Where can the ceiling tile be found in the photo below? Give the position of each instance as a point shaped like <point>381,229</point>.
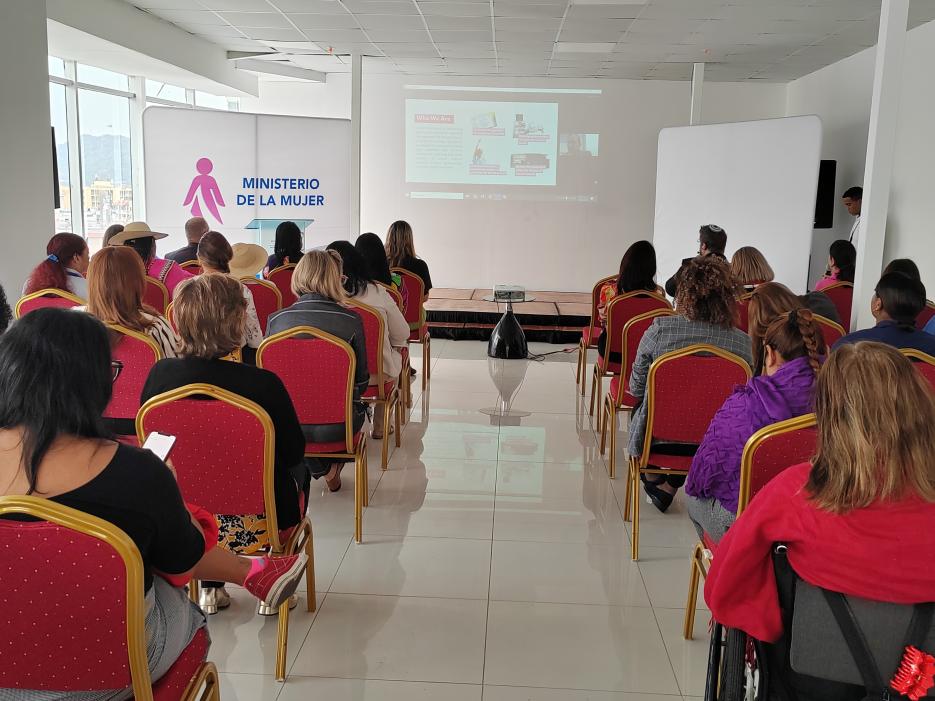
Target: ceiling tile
<point>608,11</point>
<point>320,21</point>
<point>229,5</point>
<point>381,7</point>
<point>531,10</point>
<point>455,9</point>
<point>322,7</point>
<point>272,34</point>
<point>406,36</point>
<point>528,25</point>
<point>256,19</point>
<point>458,36</point>
<point>457,23</point>
<point>188,16</point>
<point>334,36</point>
<point>604,30</point>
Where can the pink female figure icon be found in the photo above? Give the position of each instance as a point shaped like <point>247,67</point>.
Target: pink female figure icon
<point>206,186</point>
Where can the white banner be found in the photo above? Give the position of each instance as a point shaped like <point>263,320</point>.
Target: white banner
<point>233,168</point>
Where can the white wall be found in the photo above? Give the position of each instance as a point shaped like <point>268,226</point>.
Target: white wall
<point>840,94</point>
<point>303,98</point>
<point>25,142</point>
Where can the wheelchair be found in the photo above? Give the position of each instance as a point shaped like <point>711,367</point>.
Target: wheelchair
<point>833,648</point>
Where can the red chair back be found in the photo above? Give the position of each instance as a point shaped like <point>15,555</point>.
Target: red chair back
<point>632,335</point>
<point>318,371</point>
<point>192,267</point>
<point>374,337</point>
<point>72,597</point>
<point>266,298</point>
<point>48,297</point>
<point>698,376</point>
<point>138,353</point>
<point>926,314</point>
<point>590,334</point>
<point>282,278</point>
<point>620,310</point>
<point>842,295</point>
<point>414,311</point>
<point>830,330</point>
<point>743,311</point>
<point>156,295</point>
<point>223,453</point>
<point>771,450</point>
<point>923,362</point>
<point>396,295</point>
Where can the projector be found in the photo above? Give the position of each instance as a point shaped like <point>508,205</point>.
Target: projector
<point>509,293</point>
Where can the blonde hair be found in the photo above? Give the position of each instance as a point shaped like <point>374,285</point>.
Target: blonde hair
<point>399,243</point>
<point>116,283</point>
<point>319,272</point>
<point>876,430</point>
<point>749,267</point>
<point>209,314</point>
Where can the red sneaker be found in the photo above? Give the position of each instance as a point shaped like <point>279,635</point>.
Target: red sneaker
<point>276,578</point>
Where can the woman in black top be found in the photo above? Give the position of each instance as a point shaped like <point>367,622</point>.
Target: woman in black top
<point>55,381</point>
<point>209,312</point>
<point>370,247</point>
<point>287,247</point>
<point>401,253</point>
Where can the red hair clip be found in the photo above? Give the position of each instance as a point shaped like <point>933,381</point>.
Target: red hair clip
<point>916,674</point>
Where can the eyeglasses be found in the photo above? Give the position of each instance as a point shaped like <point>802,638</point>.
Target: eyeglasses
<point>116,367</point>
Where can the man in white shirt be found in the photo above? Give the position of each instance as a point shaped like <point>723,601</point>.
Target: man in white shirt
<point>851,199</point>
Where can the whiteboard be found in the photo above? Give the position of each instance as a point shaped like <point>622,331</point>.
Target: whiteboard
<point>758,180</point>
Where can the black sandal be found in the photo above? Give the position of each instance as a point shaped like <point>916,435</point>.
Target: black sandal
<point>660,498</point>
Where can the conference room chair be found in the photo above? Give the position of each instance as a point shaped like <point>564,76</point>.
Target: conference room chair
<point>743,311</point>
<point>405,377</point>
<point>842,295</point>
<point>831,331</point>
<point>768,452</point>
<point>73,598</point>
<point>282,278</point>
<point>590,335</point>
<point>384,395</point>
<point>927,313</point>
<point>923,362</point>
<point>49,297</point>
<point>224,461</point>
<point>191,266</point>
<point>618,397</point>
<point>684,389</point>
<point>414,312</point>
<point>318,371</point>
<point>619,311</point>
<point>132,357</point>
<point>156,295</point>
<point>266,298</point>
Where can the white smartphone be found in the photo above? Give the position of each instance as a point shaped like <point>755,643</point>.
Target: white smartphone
<point>160,444</point>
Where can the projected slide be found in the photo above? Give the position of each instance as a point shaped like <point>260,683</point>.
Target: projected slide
<point>482,143</point>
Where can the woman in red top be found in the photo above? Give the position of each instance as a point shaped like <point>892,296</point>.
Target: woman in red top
<point>859,519</point>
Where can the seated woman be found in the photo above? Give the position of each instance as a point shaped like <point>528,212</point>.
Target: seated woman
<point>317,283</point>
<point>55,367</point>
<point>749,268</point>
<point>116,282</point>
<point>767,303</point>
<point>842,259</point>
<point>706,306</point>
<point>138,236</point>
<point>401,253</point>
<point>209,314</point>
<point>287,247</point>
<point>64,267</point>
<point>360,286</point>
<point>214,256</point>
<point>637,274</point>
<point>858,518</point>
<point>793,348</point>
<point>371,248</point>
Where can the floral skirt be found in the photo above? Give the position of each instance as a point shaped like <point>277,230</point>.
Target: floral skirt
<point>244,534</point>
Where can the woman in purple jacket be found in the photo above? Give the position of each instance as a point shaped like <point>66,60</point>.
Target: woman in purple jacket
<point>792,349</point>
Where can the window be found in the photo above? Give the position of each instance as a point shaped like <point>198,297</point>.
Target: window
<point>102,78</point>
<point>56,67</point>
<point>60,124</point>
<point>165,91</point>
<point>107,184</point>
<point>215,102</point>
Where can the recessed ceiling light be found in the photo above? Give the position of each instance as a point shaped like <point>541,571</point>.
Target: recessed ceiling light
<point>584,47</point>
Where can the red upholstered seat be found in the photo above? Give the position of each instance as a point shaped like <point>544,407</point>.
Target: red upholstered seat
<point>830,331</point>
<point>333,446</point>
<point>371,392</point>
<point>628,400</point>
<point>173,683</point>
<point>266,298</point>
<point>927,313</point>
<point>138,353</point>
<point>417,335</point>
<point>708,541</point>
<point>842,295</point>
<point>282,278</point>
<point>669,462</point>
<point>590,335</point>
<point>50,297</point>
<point>156,295</point>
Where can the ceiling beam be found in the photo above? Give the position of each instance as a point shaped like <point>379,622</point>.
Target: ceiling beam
<point>279,68</point>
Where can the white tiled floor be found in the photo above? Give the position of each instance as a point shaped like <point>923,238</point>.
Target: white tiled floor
<point>495,564</point>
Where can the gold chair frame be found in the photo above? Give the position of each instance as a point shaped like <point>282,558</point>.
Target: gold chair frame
<point>47,292</point>
<point>206,678</point>
<point>426,340</point>
<point>592,325</point>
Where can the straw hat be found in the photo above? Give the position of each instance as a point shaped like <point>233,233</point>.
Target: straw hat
<point>248,260</point>
<point>135,230</point>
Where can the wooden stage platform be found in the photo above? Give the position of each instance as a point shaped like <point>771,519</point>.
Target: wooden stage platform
<point>462,314</point>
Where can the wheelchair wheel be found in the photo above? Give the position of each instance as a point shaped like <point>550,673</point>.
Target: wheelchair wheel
<point>733,671</point>
<point>733,680</point>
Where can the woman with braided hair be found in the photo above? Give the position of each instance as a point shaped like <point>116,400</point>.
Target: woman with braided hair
<point>793,349</point>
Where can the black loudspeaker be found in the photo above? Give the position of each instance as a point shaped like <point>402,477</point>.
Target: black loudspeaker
<point>56,193</point>
<point>825,199</point>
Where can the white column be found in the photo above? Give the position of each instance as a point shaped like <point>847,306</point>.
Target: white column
<point>137,105</point>
<point>697,84</point>
<point>356,82</point>
<point>74,149</point>
<point>878,172</point>
<point>25,142</point>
